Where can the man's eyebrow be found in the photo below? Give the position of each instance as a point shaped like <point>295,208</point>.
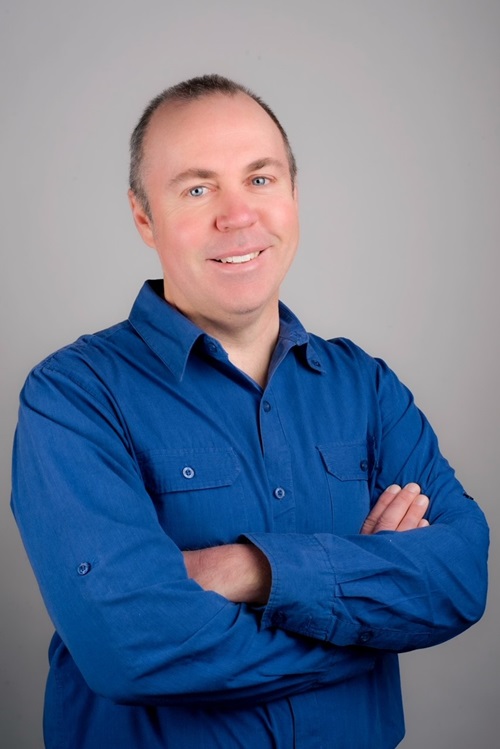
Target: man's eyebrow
<point>268,161</point>
<point>191,174</point>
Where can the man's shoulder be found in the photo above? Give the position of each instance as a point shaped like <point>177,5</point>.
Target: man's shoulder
<point>348,362</point>
<point>86,355</point>
<point>342,350</point>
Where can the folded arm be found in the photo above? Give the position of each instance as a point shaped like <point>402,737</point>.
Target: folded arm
<point>242,573</point>
<point>387,589</point>
<point>405,581</point>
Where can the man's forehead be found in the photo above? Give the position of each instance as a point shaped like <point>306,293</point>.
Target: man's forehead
<point>173,115</point>
<point>218,133</point>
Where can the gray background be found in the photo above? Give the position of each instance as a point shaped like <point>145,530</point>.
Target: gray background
<point>393,109</point>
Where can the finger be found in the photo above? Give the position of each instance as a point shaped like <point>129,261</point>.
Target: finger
<point>379,508</point>
<point>423,523</point>
<point>394,513</point>
<point>415,514</point>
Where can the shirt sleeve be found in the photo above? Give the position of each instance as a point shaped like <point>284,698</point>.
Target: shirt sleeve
<point>115,585</point>
<point>393,590</point>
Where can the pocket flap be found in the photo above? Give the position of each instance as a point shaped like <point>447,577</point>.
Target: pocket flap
<point>347,462</point>
<point>189,469</point>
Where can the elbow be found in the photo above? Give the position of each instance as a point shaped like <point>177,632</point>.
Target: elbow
<point>466,592</point>
<point>462,602</point>
<point>475,605</point>
<point>455,619</point>
<point>148,679</point>
<point>133,684</point>
<point>122,679</point>
<point>114,682</point>
<point>475,577</point>
<point>102,670</point>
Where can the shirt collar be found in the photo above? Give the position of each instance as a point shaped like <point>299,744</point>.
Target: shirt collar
<point>172,336</point>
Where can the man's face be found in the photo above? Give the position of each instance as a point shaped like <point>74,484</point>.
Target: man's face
<point>224,217</point>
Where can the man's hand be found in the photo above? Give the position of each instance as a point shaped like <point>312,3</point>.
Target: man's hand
<point>397,509</point>
<point>239,572</point>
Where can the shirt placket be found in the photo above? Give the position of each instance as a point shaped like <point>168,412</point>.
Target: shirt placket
<point>278,464</point>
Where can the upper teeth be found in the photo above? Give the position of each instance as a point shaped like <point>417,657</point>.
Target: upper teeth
<point>240,258</point>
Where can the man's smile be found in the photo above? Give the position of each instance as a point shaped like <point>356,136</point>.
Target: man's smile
<point>239,258</point>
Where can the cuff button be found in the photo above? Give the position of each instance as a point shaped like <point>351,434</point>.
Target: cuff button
<point>365,636</point>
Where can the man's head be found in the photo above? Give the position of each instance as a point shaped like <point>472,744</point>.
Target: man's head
<point>184,92</point>
<point>215,196</point>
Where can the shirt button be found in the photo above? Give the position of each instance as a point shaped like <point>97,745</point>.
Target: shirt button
<point>316,363</point>
<point>364,465</point>
<point>83,568</point>
<point>266,406</point>
<point>212,347</point>
<point>365,636</point>
<point>279,492</point>
<point>188,472</point>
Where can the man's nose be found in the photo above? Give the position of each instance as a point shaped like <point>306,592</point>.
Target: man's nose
<point>235,212</point>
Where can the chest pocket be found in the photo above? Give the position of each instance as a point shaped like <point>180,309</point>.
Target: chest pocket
<point>348,467</point>
<point>196,493</point>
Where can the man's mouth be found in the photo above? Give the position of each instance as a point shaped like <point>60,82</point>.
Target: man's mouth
<point>239,258</point>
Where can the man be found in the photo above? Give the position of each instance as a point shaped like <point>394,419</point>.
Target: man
<point>235,525</point>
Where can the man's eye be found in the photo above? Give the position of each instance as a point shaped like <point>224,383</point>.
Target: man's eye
<point>259,181</point>
<point>197,191</point>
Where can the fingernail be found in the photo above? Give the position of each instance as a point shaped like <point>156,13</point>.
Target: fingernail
<point>413,488</point>
<point>422,500</point>
<point>393,489</point>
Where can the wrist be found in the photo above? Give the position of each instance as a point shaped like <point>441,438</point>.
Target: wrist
<point>239,572</point>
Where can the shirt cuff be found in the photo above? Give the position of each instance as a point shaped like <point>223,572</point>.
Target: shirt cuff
<point>303,584</point>
<point>307,597</point>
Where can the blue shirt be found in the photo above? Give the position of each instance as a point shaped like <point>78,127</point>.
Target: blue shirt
<point>144,439</point>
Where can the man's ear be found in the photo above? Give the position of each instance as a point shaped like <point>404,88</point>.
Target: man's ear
<point>141,219</point>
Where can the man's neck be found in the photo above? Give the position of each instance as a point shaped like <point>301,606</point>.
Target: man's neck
<point>249,343</point>
<point>253,356</point>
